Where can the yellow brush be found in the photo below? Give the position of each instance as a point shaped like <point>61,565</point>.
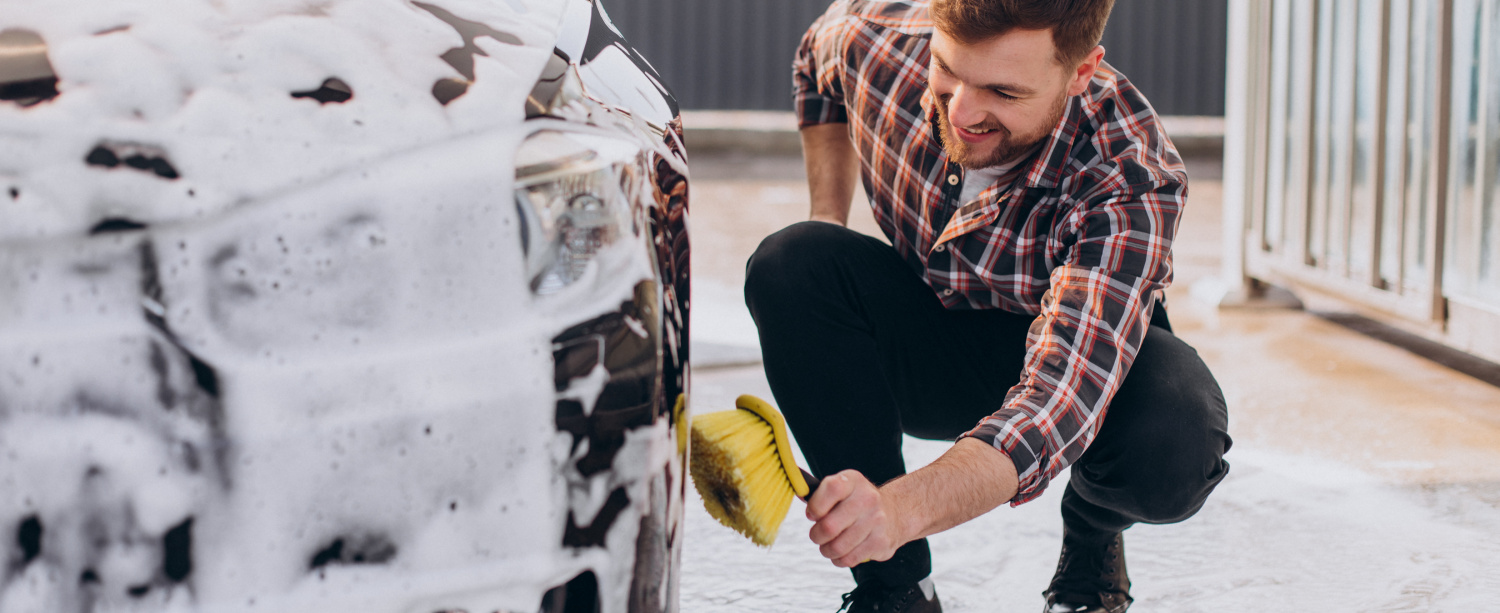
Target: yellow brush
<point>743,468</point>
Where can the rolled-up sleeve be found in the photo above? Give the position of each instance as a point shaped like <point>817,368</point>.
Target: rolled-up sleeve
<point>1094,318</point>
<point>817,85</point>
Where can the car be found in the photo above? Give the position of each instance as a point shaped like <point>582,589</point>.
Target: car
<point>338,305</point>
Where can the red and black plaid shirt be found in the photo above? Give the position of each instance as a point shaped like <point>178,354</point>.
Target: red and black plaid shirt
<point>1082,239</point>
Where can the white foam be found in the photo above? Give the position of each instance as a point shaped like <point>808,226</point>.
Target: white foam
<point>350,272</point>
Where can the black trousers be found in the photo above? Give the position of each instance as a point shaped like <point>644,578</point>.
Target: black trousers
<point>858,350</point>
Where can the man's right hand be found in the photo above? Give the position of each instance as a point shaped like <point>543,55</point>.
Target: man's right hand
<point>832,168</point>
<point>855,523</point>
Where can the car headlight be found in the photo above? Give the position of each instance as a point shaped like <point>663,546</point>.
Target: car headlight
<point>572,203</point>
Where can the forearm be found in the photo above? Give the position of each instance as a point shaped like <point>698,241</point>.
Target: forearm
<point>832,168</point>
<point>971,479</point>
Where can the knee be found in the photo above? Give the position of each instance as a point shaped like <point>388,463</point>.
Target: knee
<point>784,263</point>
<point>1160,471</point>
<point>1176,479</point>
<point>1172,501</point>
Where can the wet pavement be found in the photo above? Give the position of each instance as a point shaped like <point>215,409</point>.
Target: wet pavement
<point>1365,477</point>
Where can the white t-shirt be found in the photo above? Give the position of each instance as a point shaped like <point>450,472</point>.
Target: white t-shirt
<point>980,179</point>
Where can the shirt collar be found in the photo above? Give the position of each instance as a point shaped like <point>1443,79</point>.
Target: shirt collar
<point>1047,169</point>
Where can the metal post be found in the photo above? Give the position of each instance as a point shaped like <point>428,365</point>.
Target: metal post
<point>1439,185</point>
<point>1239,88</point>
<point>1245,141</point>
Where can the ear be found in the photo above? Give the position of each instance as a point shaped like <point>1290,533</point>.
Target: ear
<point>1079,81</point>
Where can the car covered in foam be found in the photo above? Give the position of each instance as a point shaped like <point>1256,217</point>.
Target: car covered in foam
<point>338,305</point>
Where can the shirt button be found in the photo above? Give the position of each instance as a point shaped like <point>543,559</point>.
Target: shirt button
<point>952,179</point>
<point>947,292</point>
<point>941,248</point>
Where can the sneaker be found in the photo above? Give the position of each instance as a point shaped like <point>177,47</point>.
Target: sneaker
<point>1090,576</point>
<point>876,597</point>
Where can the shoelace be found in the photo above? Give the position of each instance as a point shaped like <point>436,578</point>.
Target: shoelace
<point>862,591</point>
<point>1087,571</point>
<point>871,590</point>
<point>850,596</point>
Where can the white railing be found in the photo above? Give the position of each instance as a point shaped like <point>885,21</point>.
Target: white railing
<point>1362,157</point>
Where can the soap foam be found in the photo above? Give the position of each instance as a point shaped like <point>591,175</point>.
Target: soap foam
<point>319,359</point>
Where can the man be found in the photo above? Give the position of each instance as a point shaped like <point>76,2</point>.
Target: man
<point>1030,198</point>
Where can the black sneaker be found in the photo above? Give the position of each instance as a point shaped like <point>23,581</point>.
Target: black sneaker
<point>876,597</point>
<point>1090,576</point>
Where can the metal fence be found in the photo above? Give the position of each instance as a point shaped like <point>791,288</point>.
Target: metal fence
<point>1363,156</point>
<point>737,54</point>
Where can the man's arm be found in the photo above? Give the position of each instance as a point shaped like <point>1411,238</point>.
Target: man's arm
<point>857,521</point>
<point>832,167</point>
<point>1095,315</point>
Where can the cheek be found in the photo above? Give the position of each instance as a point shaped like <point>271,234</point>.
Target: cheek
<point>1022,120</point>
<point>1011,118</point>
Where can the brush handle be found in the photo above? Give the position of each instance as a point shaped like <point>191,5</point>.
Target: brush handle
<point>812,482</point>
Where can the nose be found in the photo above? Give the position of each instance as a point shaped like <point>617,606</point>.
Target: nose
<point>963,108</point>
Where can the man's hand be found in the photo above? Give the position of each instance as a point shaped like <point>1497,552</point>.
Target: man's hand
<point>857,522</point>
<point>854,523</point>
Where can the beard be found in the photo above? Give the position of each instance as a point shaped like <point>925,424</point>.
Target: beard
<point>1011,145</point>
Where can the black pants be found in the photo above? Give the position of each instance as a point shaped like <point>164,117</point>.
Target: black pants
<point>858,350</point>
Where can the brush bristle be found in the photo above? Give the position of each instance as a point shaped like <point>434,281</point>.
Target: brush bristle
<point>738,473</point>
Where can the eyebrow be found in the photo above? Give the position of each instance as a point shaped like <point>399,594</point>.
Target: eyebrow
<point>1010,88</point>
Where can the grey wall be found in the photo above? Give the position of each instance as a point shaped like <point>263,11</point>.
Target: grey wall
<point>736,54</point>
<point>720,54</point>
<point>1173,51</point>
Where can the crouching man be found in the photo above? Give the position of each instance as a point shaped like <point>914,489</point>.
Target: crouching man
<point>1030,198</point>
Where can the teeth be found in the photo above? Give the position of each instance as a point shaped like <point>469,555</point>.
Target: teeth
<point>973,131</point>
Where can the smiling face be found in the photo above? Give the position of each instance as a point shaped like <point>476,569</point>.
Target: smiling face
<point>999,97</point>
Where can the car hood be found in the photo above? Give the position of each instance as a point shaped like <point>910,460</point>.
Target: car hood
<point>172,110</point>
<point>291,223</point>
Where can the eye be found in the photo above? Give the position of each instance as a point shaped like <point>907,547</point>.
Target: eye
<point>1004,96</point>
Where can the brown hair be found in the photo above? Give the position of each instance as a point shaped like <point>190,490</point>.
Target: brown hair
<point>1076,25</point>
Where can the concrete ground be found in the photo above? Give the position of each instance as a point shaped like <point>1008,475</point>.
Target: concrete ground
<point>1365,477</point>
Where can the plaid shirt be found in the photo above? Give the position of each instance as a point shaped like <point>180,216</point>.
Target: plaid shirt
<point>1082,239</point>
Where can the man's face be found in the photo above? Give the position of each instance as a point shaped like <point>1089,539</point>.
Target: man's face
<point>998,98</point>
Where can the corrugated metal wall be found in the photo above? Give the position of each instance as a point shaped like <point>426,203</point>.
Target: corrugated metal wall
<point>720,54</point>
<point>736,54</point>
<point>1173,50</point>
